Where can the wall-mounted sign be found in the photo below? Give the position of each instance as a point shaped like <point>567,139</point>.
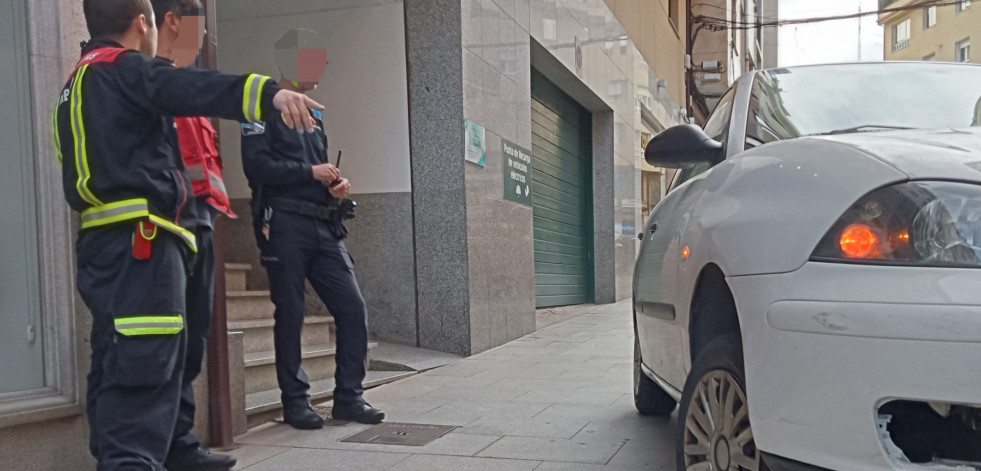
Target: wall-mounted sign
<point>517,172</point>
<point>476,148</point>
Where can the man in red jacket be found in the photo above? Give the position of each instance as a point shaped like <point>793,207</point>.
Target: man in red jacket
<point>180,33</point>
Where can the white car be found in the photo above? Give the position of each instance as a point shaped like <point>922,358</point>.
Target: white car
<point>809,291</point>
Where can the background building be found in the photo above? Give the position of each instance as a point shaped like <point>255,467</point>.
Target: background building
<point>932,33</point>
<point>728,40</point>
<point>450,257</point>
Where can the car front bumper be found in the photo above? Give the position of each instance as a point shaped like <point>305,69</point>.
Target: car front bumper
<point>827,345</point>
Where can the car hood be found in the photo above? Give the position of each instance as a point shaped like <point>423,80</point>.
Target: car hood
<point>943,154</point>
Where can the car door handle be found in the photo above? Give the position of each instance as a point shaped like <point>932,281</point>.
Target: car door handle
<point>653,228</point>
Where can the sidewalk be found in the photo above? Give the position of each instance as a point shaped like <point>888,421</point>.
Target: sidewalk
<point>558,399</point>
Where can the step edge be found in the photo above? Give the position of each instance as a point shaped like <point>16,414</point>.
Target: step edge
<point>262,323</point>
<point>316,351</point>
<point>248,294</point>
<point>261,408</point>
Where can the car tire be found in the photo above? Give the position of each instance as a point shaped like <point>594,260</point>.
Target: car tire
<point>713,423</point>
<point>649,398</point>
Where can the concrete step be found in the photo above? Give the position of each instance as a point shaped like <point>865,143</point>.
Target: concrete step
<point>319,362</point>
<point>248,305</point>
<point>259,333</point>
<point>235,274</point>
<point>260,368</point>
<point>263,406</point>
<point>395,357</point>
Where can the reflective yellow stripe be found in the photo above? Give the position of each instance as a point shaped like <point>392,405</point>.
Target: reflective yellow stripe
<point>179,231</point>
<point>132,210</point>
<point>258,98</point>
<point>149,325</point>
<point>78,132</point>
<point>252,97</point>
<point>246,108</point>
<point>54,132</point>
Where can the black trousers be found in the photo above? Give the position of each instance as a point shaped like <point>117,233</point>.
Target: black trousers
<point>134,384</point>
<point>200,300</point>
<point>302,248</point>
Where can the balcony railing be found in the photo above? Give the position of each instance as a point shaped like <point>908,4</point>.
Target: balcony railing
<point>900,45</point>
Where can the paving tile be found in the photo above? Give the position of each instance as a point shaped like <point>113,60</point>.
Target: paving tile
<point>456,463</point>
<point>452,444</point>
<point>492,408</point>
<point>287,436</point>
<point>570,397</point>
<point>249,455</point>
<point>562,466</point>
<point>562,427</point>
<point>551,449</point>
<point>628,425</point>
<point>540,384</point>
<point>460,393</point>
<point>319,460</point>
<point>646,454</point>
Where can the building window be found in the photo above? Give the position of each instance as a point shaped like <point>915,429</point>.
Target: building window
<point>963,51</point>
<point>930,57</point>
<point>900,35</point>
<point>673,11</point>
<point>929,17</point>
<point>962,5</point>
<point>37,310</point>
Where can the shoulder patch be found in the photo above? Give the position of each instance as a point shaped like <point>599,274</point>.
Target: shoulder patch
<point>253,129</point>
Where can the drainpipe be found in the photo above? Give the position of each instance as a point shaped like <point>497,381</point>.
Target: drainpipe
<point>220,432</point>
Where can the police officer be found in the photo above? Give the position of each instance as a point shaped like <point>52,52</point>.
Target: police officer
<point>122,172</point>
<point>294,189</point>
<point>180,33</point>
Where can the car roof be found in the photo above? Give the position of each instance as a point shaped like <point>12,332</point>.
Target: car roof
<point>853,64</point>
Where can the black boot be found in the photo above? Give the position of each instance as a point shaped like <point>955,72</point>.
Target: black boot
<point>302,417</point>
<point>360,412</point>
<point>197,459</point>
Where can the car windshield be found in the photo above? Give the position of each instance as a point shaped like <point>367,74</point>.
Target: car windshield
<point>835,99</point>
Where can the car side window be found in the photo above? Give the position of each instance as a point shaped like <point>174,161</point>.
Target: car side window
<point>717,124</point>
<point>717,127</point>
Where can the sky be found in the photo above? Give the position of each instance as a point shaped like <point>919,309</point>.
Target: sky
<point>831,41</point>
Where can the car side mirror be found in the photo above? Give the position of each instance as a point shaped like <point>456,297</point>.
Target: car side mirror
<point>682,146</point>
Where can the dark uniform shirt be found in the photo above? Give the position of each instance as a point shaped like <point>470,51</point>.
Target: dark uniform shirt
<point>115,134</point>
<point>280,160</point>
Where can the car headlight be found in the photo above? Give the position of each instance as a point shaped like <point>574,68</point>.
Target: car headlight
<point>917,223</point>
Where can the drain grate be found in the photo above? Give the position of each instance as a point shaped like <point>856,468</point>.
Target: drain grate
<point>393,433</point>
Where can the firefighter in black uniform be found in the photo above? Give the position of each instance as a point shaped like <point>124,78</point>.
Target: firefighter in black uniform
<point>299,230</point>
<point>123,173</point>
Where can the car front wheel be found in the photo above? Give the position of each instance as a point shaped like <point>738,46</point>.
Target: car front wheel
<point>714,419</point>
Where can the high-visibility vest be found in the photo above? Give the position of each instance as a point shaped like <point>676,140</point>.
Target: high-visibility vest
<point>199,147</point>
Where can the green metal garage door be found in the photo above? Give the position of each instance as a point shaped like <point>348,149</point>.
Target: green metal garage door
<point>562,196</point>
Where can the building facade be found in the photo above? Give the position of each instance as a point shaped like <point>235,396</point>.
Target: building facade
<point>496,153</point>
<point>931,33</point>
<point>728,39</point>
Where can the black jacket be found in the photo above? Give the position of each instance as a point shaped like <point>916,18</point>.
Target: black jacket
<point>120,111</point>
<point>280,160</point>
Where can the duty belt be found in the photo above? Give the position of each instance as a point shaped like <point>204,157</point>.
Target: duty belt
<point>137,209</point>
<point>303,208</point>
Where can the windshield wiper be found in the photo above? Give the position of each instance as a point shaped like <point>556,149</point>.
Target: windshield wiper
<point>862,128</point>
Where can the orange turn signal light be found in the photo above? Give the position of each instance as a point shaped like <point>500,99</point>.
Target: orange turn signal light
<point>858,241</point>
<point>685,253</point>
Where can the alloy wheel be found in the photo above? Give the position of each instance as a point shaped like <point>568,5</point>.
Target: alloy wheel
<point>718,435</point>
